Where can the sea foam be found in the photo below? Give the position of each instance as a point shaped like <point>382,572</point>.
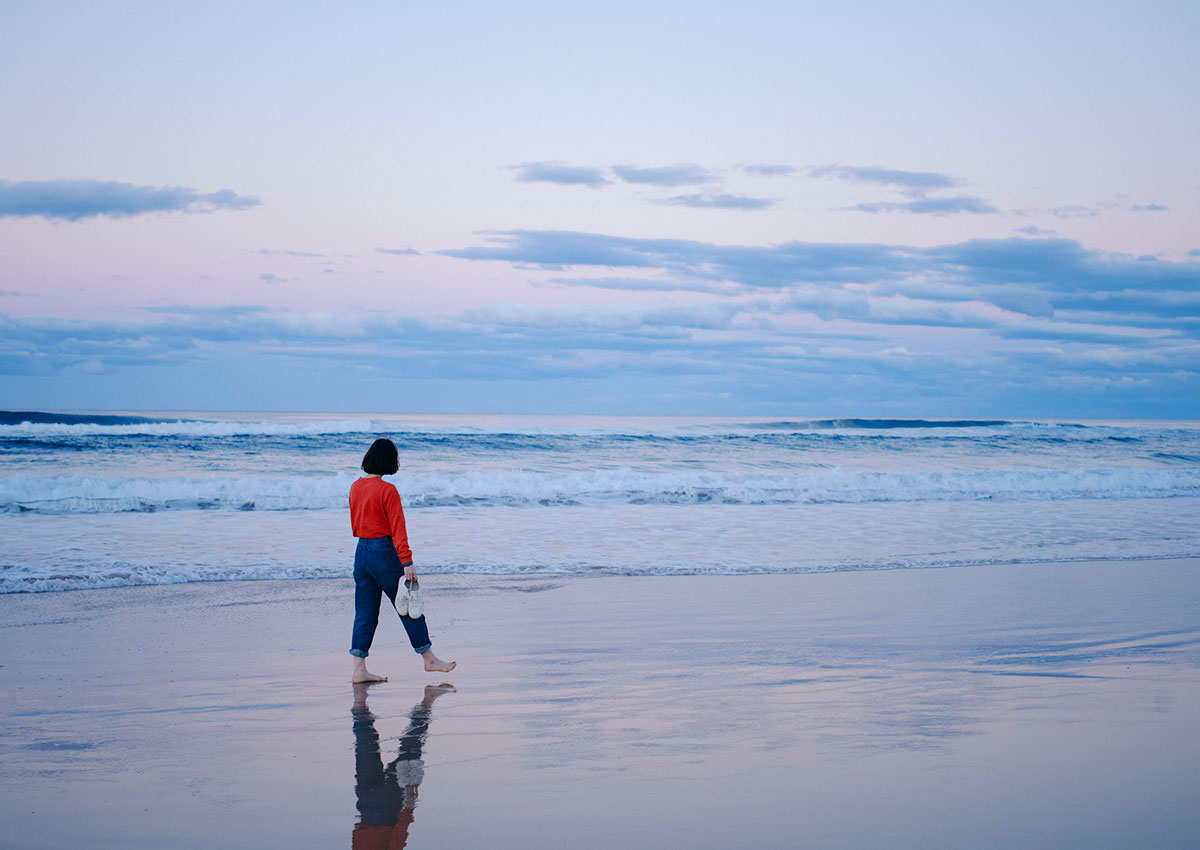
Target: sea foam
<point>111,494</point>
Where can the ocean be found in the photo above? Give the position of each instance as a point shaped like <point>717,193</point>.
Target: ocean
<point>114,499</point>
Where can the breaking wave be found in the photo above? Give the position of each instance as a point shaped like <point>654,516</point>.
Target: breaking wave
<point>66,494</point>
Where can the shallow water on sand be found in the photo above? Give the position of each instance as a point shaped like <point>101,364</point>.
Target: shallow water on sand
<point>1033,706</point>
<point>114,550</point>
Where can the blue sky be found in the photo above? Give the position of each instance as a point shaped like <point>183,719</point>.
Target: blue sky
<point>923,209</point>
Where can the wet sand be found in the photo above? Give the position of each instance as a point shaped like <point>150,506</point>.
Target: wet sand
<point>1023,706</point>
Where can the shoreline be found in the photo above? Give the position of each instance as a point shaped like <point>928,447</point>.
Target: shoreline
<point>990,706</point>
<point>602,572</point>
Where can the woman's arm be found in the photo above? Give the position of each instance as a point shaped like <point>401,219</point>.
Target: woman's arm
<point>395,514</point>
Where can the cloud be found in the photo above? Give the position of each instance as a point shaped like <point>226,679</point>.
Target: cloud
<point>861,306</point>
<point>639,284</point>
<point>267,252</point>
<point>1059,265</point>
<point>500,341</point>
<point>1012,288</point>
<point>1060,332</point>
<point>720,201</point>
<point>767,267</point>
<point>166,336</point>
<point>1164,309</point>
<point>931,206</point>
<point>667,175</point>
<point>915,184</point>
<point>1069,211</point>
<point>1064,211</point>
<point>914,181</point>
<point>750,348</point>
<point>557,248</point>
<point>224,310</point>
<point>1036,231</point>
<point>73,200</point>
<point>1053,264</point>
<point>557,171</point>
<point>769,169</point>
<point>710,315</point>
<point>403,252</point>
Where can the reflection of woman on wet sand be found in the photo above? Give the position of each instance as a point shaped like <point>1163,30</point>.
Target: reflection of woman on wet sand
<point>388,795</point>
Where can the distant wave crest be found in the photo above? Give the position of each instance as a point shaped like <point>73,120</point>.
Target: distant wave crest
<point>107,420</point>
<point>133,426</point>
<point>881,424</point>
<point>34,425</point>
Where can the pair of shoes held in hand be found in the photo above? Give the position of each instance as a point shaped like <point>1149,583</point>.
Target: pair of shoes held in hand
<point>411,603</point>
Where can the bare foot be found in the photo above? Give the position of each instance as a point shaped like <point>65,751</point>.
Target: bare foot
<point>433,664</point>
<point>362,674</point>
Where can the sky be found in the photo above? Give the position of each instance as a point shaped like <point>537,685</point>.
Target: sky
<point>706,208</point>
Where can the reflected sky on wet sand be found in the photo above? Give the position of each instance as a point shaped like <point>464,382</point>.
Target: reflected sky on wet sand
<point>1031,706</point>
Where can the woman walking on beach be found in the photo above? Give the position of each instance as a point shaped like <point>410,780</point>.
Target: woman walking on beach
<point>382,557</point>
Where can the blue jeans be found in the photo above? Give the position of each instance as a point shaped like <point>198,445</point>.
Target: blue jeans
<point>377,570</point>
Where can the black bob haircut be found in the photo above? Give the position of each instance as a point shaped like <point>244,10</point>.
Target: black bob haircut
<point>381,458</point>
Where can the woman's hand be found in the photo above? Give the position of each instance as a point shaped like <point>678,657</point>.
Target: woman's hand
<point>409,573</point>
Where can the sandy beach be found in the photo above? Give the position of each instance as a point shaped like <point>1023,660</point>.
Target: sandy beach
<point>1024,706</point>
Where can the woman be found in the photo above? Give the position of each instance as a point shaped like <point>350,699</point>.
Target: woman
<point>382,556</point>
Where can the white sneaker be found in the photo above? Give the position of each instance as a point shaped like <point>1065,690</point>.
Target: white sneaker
<point>415,600</point>
<point>401,603</point>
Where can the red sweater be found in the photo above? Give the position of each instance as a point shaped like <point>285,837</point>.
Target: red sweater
<point>375,511</point>
<point>367,837</point>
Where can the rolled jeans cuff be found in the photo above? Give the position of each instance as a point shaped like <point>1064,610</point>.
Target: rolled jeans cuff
<point>359,653</point>
<point>425,648</point>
